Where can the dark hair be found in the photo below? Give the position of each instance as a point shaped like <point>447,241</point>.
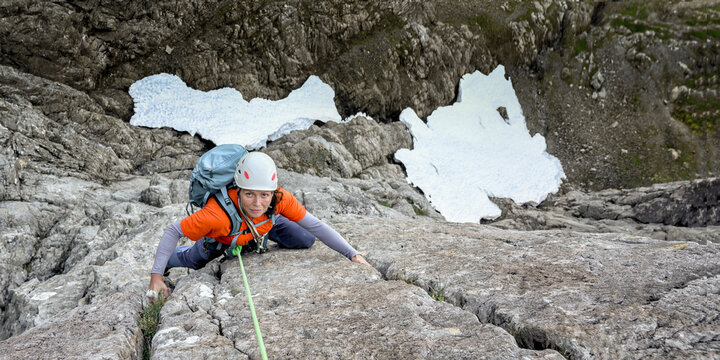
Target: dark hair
<point>277,197</point>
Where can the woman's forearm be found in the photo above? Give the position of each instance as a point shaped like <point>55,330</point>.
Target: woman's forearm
<point>327,235</point>
<point>166,247</point>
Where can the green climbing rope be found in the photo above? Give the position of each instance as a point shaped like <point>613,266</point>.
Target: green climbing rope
<point>236,251</point>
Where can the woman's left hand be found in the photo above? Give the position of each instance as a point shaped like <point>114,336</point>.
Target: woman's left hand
<point>360,260</point>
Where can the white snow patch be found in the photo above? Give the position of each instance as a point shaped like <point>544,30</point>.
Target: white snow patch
<point>347,119</point>
<point>468,151</point>
<point>223,116</point>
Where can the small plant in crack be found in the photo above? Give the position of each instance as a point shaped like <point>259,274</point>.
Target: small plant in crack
<point>437,292</point>
<point>149,322</point>
<point>235,291</point>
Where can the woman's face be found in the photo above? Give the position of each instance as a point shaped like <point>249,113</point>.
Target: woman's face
<point>255,202</point>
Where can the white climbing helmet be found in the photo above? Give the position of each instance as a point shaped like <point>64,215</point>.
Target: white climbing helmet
<point>256,171</point>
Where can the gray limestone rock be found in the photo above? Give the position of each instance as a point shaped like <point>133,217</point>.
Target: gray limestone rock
<point>702,235</point>
<point>381,57</point>
<point>50,128</point>
<point>107,329</point>
<point>85,197</point>
<point>339,150</point>
<point>684,210</point>
<point>71,243</point>
<point>565,291</point>
<point>331,197</point>
<point>586,295</point>
<point>336,309</point>
<point>163,192</point>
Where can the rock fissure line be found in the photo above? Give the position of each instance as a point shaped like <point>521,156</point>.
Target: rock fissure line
<point>526,338</point>
<point>218,273</point>
<point>240,351</point>
<point>710,273</point>
<point>219,325</point>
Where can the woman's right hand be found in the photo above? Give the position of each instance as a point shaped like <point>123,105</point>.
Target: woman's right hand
<point>360,260</point>
<point>157,284</point>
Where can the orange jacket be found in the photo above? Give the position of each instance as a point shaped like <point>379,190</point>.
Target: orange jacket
<point>211,220</point>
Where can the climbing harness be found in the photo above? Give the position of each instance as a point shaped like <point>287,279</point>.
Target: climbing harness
<point>236,251</point>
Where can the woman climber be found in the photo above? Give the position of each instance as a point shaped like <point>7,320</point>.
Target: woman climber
<point>272,210</point>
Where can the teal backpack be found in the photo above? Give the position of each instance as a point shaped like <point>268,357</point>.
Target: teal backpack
<point>212,176</point>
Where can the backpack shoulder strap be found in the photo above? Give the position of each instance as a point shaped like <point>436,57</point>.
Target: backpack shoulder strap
<point>223,199</point>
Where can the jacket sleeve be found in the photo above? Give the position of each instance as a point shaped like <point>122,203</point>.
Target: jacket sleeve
<point>327,235</point>
<point>167,245</point>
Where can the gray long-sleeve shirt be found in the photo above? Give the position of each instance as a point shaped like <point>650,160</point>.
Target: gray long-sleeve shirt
<point>322,231</point>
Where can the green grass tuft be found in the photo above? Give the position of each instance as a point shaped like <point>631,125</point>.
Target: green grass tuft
<point>699,34</point>
<point>636,10</point>
<point>497,33</point>
<point>660,30</point>
<point>689,112</point>
<point>407,281</point>
<point>419,211</point>
<point>580,46</point>
<point>149,323</point>
<point>636,28</point>
<point>437,293</point>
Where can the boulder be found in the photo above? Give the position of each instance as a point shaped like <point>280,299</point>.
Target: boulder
<point>340,150</point>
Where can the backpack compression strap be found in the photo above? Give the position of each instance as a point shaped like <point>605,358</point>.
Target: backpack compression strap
<point>204,201</point>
